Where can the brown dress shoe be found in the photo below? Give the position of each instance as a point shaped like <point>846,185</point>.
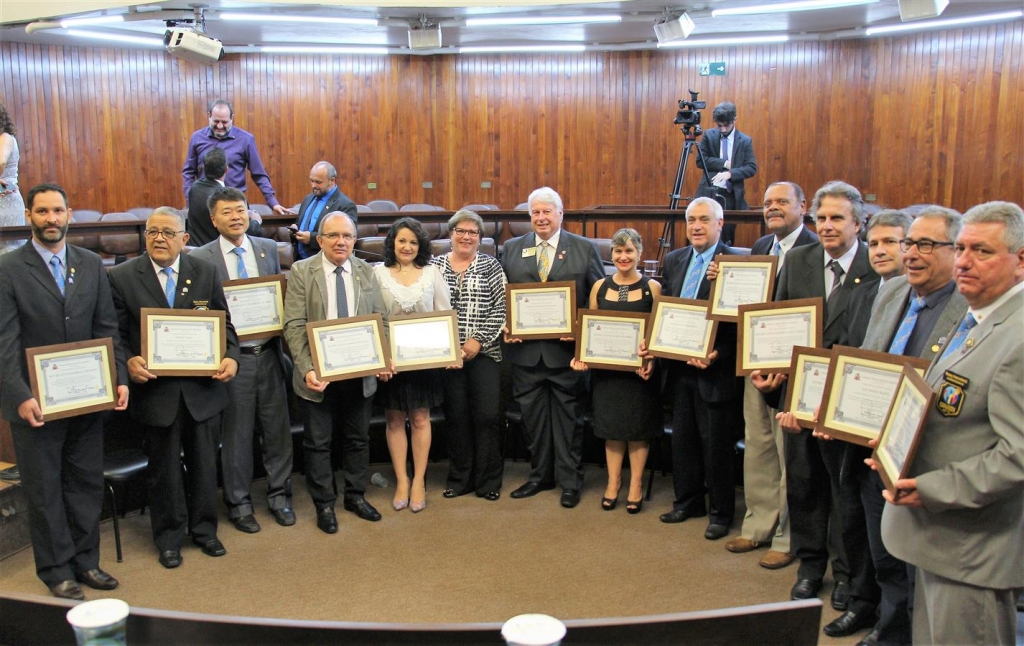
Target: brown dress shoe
<point>67,590</point>
<point>740,545</point>
<point>774,560</point>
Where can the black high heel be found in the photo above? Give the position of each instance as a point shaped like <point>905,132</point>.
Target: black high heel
<point>634,507</point>
<point>608,504</point>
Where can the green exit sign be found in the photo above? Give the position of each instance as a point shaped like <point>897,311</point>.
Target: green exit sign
<point>712,69</point>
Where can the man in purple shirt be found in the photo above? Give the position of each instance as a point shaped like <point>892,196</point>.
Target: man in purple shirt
<point>240,147</point>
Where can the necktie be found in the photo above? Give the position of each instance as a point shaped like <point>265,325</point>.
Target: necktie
<point>899,342</point>
<point>543,261</point>
<point>693,277</point>
<point>339,282</point>
<point>240,252</point>
<point>169,287</point>
<point>961,334</point>
<point>725,149</point>
<point>307,217</point>
<point>777,248</point>
<point>58,275</point>
<point>837,276</point>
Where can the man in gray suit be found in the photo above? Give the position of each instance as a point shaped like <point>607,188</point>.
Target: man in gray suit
<point>51,292</point>
<point>959,517</point>
<point>543,384</point>
<point>259,386</point>
<point>333,284</point>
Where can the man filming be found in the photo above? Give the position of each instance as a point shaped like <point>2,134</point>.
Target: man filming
<point>728,156</point>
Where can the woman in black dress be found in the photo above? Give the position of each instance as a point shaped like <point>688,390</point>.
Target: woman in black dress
<point>627,405</point>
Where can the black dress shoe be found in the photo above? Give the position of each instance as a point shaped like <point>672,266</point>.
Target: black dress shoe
<point>212,547</point>
<point>326,521</point>
<point>570,498</point>
<point>678,516</point>
<point>97,579</point>
<point>170,559</point>
<point>67,590</point>
<point>247,524</point>
<point>491,495</point>
<point>716,531</point>
<point>870,639</point>
<point>284,516</point>
<point>361,508</point>
<point>531,489</point>
<point>848,623</point>
<point>841,596</point>
<point>805,589</point>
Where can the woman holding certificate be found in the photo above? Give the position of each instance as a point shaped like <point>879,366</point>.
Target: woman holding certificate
<point>627,406</point>
<point>410,284</point>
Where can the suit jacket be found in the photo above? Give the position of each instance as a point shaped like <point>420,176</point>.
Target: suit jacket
<point>970,466</point>
<point>575,259</point>
<point>199,226</point>
<point>33,313</point>
<point>717,382</point>
<point>306,302</point>
<point>887,314</point>
<point>134,285</point>
<point>338,202</point>
<point>859,313</point>
<point>743,165</point>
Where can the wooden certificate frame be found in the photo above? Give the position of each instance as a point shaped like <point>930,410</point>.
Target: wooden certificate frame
<point>717,310</point>
<point>319,335</point>
<point>804,311</point>
<point>424,326</point>
<point>689,309</point>
<point>277,285</point>
<point>203,322</point>
<point>563,320</point>
<point>805,359</point>
<point>591,322</point>
<point>901,432</point>
<point>92,397</point>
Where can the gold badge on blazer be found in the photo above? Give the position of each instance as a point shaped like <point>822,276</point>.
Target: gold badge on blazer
<point>200,305</point>
<point>951,394</point>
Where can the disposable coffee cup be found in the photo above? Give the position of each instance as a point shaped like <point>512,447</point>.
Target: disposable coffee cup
<point>533,630</point>
<point>100,623</point>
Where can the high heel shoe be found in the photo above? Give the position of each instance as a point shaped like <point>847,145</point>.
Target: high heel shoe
<point>401,504</point>
<point>417,507</point>
<point>608,504</point>
<point>634,507</point>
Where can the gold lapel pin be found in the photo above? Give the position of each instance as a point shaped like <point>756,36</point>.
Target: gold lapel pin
<point>188,281</point>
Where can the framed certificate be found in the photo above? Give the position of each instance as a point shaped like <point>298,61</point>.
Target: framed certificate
<point>807,376</point>
<point>610,340</point>
<point>422,341</point>
<point>72,379</point>
<point>858,390</point>
<point>348,348</point>
<point>901,430</point>
<point>540,310</point>
<point>183,343</point>
<point>680,329</point>
<point>742,280</point>
<point>767,333</point>
<point>256,306</point>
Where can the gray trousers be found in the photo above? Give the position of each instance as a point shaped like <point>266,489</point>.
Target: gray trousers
<point>951,612</point>
<point>764,473</point>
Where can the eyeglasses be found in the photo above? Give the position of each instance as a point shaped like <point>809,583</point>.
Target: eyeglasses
<point>333,237</point>
<point>472,233</point>
<point>925,245</point>
<point>167,234</point>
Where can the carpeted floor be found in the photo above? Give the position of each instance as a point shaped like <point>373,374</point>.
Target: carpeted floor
<point>461,560</point>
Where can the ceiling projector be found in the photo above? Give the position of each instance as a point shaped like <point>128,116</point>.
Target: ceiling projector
<point>193,45</point>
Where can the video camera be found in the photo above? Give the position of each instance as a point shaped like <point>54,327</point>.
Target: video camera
<point>688,115</point>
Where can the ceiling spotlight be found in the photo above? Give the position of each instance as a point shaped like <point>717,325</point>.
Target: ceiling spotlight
<point>425,37</point>
<point>919,9</point>
<point>672,29</point>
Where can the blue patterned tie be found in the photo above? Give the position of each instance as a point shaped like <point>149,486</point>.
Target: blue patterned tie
<point>777,248</point>
<point>693,277</point>
<point>169,287</point>
<point>899,342</point>
<point>961,334</point>
<point>342,293</point>
<point>58,275</point>
<point>238,251</point>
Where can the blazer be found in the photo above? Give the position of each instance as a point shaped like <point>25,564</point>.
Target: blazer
<point>338,202</point>
<point>134,285</point>
<point>743,165</point>
<point>306,302</point>
<point>717,382</point>
<point>576,260</point>
<point>970,465</point>
<point>33,313</point>
<point>887,314</point>
<point>859,313</point>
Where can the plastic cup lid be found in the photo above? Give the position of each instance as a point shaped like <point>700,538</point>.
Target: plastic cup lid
<point>533,630</point>
<point>98,613</point>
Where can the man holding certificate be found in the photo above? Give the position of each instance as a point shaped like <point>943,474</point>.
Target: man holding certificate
<point>53,293</point>
<point>703,392</point>
<point>176,412</point>
<point>959,518</point>
<point>259,386</point>
<point>543,384</point>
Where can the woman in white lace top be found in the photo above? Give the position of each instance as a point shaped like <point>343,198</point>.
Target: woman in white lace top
<point>409,284</point>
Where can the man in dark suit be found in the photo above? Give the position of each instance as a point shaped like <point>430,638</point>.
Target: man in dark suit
<point>259,386</point>
<point>728,157</point>
<point>175,412</point>
<point>325,198</point>
<point>543,384</point>
<point>766,522</point>
<point>959,516</point>
<point>50,293</point>
<point>703,392</point>
<point>200,227</point>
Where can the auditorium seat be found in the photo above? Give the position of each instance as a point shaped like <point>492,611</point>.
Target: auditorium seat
<point>362,208</point>
<point>91,242</point>
<point>141,212</point>
<point>382,206</point>
<point>480,207</point>
<point>116,247</point>
<point>522,206</point>
<point>420,207</point>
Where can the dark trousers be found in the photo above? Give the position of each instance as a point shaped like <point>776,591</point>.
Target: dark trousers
<point>344,406</point>
<point>471,418</point>
<point>703,453</point>
<point>864,590</point>
<point>183,500</point>
<point>891,574</point>
<point>258,390</point>
<point>61,466</point>
<point>549,398</point>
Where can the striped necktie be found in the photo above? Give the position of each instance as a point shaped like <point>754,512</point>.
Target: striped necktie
<point>240,252</point>
<point>837,276</point>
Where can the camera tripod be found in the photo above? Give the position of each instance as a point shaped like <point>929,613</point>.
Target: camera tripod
<point>690,135</point>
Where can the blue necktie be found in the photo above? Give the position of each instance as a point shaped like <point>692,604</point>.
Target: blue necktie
<point>776,248</point>
<point>342,294</point>
<point>238,251</point>
<point>169,287</point>
<point>899,342</point>
<point>693,277</point>
<point>307,217</point>
<point>58,275</point>
<point>961,334</point>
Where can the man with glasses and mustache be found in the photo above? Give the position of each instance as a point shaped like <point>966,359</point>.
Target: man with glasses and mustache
<point>175,413</point>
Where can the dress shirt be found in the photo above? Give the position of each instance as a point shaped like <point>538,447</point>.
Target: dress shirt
<point>162,277</point>
<point>332,287</point>
<point>982,312</point>
<point>240,147</point>
<point>844,261</point>
<point>62,257</point>
<point>726,143</point>
<point>553,241</point>
<point>785,245</point>
<point>231,258</point>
